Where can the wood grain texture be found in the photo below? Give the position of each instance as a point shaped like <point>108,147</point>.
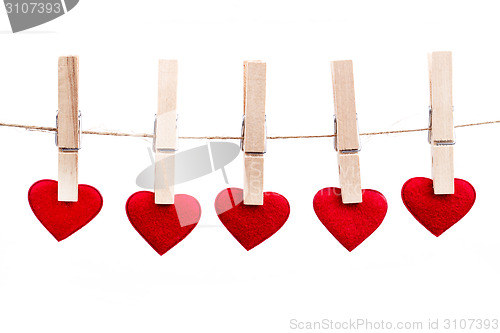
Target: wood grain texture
<point>164,178</point>
<point>254,102</point>
<point>350,178</point>
<point>253,190</point>
<point>347,138</point>
<point>67,187</point>
<point>67,124</point>
<point>166,132</point>
<point>166,117</point>
<point>442,127</point>
<point>254,143</point>
<point>440,78</point>
<point>443,169</point>
<point>68,129</point>
<point>345,106</point>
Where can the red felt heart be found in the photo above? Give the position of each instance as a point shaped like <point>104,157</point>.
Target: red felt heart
<point>62,219</point>
<point>251,225</point>
<point>437,213</point>
<point>162,226</point>
<point>350,224</point>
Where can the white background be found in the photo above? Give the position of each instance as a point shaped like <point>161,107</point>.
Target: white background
<point>106,278</point>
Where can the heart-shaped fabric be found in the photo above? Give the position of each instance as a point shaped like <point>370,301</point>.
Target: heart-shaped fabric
<point>62,219</point>
<point>437,213</point>
<point>249,224</point>
<point>350,224</point>
<point>162,226</point>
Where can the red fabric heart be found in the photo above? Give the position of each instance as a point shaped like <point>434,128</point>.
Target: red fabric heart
<point>62,219</point>
<point>162,226</point>
<point>251,225</point>
<point>350,224</point>
<point>437,213</point>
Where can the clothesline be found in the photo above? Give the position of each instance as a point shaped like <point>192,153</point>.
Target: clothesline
<point>147,135</point>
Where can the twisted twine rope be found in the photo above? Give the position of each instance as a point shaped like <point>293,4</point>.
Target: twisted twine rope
<point>147,135</point>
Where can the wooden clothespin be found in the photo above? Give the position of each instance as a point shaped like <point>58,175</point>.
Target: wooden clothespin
<point>254,131</point>
<point>165,138</point>
<point>346,129</point>
<point>441,133</point>
<point>68,129</point>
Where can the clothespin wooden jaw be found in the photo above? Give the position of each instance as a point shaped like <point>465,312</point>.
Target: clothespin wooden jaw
<point>346,130</point>
<point>254,131</point>
<point>441,133</point>
<point>68,129</point>
<point>165,138</point>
